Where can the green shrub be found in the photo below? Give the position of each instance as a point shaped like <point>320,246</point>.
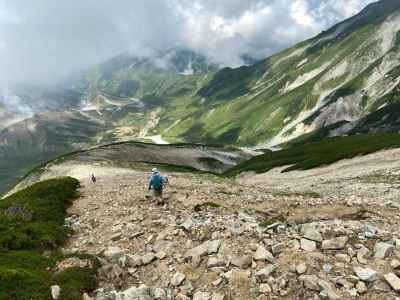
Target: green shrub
<point>311,155</point>
<point>31,222</point>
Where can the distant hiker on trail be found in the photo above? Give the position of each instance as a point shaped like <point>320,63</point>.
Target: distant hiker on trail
<point>94,178</point>
<point>157,183</point>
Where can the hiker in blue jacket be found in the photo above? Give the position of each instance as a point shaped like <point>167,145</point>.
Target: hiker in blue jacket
<point>157,183</point>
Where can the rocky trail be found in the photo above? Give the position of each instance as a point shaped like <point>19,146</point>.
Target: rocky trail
<point>220,239</point>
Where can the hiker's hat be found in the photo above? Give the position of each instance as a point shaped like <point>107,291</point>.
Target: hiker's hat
<point>154,170</point>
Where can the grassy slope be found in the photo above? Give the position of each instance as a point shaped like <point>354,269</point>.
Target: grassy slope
<point>312,155</point>
<point>31,223</point>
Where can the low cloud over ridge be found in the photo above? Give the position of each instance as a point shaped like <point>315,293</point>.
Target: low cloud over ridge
<point>44,40</point>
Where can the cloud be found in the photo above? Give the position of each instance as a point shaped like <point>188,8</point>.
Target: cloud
<point>43,40</point>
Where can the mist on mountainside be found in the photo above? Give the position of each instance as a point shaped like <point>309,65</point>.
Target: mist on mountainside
<point>44,41</point>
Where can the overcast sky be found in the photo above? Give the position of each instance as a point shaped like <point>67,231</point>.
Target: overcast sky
<point>46,39</point>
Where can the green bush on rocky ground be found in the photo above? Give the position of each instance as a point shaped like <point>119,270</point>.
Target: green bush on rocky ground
<point>311,155</point>
<point>31,230</point>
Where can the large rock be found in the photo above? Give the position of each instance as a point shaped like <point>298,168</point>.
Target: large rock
<point>335,244</point>
<point>263,254</point>
<point>178,279</point>
<point>311,233</point>
<point>393,281</point>
<point>365,274</point>
<point>308,245</point>
<point>382,250</point>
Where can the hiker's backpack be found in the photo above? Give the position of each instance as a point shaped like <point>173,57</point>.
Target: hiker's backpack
<point>157,182</point>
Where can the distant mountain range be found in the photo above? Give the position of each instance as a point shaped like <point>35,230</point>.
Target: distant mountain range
<point>344,81</point>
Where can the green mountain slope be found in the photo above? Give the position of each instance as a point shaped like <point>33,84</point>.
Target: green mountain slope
<point>344,81</point>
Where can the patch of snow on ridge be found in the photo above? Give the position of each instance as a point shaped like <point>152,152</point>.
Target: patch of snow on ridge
<point>302,79</point>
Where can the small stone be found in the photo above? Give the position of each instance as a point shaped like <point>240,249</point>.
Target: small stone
<point>178,279</point>
<point>181,297</point>
<point>329,290</point>
<point>278,248</point>
<point>188,224</point>
<point>87,297</point>
<point>294,245</point>
<point>218,296</point>
<point>310,282</point>
<point>393,281</point>
<point>264,274</point>
<point>116,236</point>
<point>55,291</point>
<point>134,260</point>
<point>361,287</point>
<point>366,274</point>
<point>395,263</point>
<point>335,244</point>
<point>308,245</point>
<point>381,286</point>
<point>198,251</point>
<point>159,294</point>
<point>201,296</point>
<point>301,268</point>
<point>265,288</point>
<point>113,253</point>
<point>311,233</point>
<point>361,253</point>
<point>213,246</point>
<point>217,282</point>
<point>382,250</point>
<point>148,258</point>
<point>161,255</point>
<point>343,257</point>
<point>242,262</point>
<point>214,262</point>
<point>263,254</point>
